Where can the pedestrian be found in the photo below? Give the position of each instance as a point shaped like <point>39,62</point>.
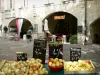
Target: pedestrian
<point>5,30</point>
<point>29,35</point>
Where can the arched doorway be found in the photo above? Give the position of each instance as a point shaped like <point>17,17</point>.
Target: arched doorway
<point>62,23</point>
<point>95,31</point>
<point>26,25</point>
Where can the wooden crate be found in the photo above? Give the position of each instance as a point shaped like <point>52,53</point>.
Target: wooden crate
<point>82,72</point>
<point>2,63</point>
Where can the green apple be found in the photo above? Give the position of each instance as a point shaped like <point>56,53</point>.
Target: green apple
<point>60,60</point>
<point>53,65</point>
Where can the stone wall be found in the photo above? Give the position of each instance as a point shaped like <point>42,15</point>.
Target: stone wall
<point>76,9</point>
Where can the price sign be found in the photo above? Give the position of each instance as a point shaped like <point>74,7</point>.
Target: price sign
<point>56,51</point>
<point>75,54</point>
<point>39,49</point>
<point>21,56</point>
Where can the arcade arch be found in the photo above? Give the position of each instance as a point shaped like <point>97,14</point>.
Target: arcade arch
<point>95,31</point>
<point>61,23</point>
<point>26,25</point>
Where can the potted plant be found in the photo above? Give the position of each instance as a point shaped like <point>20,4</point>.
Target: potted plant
<point>73,39</point>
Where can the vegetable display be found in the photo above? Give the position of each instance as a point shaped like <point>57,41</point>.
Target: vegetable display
<point>29,67</point>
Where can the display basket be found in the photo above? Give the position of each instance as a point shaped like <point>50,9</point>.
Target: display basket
<point>55,69</point>
<point>82,72</point>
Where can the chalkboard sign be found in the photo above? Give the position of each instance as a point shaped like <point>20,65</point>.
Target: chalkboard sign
<point>56,51</point>
<point>21,56</point>
<point>75,54</point>
<point>39,49</point>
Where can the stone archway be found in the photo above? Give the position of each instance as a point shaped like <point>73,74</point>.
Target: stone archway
<point>95,31</point>
<point>25,26</point>
<point>62,23</point>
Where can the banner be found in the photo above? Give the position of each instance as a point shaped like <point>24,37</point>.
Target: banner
<point>17,25</point>
<point>20,21</point>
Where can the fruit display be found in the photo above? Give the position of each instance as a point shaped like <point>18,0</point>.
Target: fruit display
<point>36,68</point>
<point>80,65</point>
<point>29,67</point>
<point>2,63</point>
<point>55,64</point>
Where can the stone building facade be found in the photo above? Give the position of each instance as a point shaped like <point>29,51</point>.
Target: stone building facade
<point>37,14</point>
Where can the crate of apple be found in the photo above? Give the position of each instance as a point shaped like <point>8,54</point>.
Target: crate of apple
<point>55,64</point>
<point>79,66</point>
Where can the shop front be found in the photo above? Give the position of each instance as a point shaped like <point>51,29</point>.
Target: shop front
<point>61,23</point>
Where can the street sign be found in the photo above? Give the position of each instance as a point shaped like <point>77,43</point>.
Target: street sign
<point>56,50</point>
<point>75,54</point>
<point>39,49</point>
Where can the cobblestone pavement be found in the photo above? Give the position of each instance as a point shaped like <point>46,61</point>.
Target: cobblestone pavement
<point>8,51</point>
<point>8,48</point>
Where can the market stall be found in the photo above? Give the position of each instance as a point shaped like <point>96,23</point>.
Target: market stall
<point>56,64</point>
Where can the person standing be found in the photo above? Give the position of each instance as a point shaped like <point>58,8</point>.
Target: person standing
<point>5,31</point>
<point>29,35</point>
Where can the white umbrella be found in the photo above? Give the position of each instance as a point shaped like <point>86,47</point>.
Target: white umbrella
<point>46,25</point>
